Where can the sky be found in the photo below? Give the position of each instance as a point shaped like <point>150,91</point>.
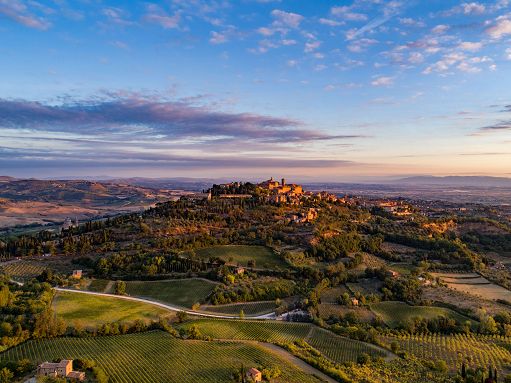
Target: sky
<point>312,90</point>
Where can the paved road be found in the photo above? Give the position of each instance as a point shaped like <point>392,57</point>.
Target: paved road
<point>164,305</point>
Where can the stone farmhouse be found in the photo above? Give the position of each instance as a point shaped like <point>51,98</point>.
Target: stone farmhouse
<point>255,375</point>
<point>62,369</point>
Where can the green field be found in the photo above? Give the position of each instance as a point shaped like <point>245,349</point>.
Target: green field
<point>335,347</point>
<point>100,285</point>
<point>475,350</point>
<point>157,357</point>
<point>22,270</point>
<point>180,292</point>
<point>396,313</point>
<point>249,308</point>
<point>240,254</point>
<point>90,311</point>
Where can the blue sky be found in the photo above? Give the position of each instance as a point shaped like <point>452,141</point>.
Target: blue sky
<point>317,90</point>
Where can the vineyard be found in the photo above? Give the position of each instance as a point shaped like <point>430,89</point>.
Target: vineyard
<point>475,350</point>
<point>249,308</point>
<point>335,347</point>
<point>22,270</point>
<point>157,357</point>
<point>90,311</point>
<point>180,292</point>
<point>340,349</point>
<point>396,313</point>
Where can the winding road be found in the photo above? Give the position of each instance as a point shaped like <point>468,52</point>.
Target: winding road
<point>166,306</point>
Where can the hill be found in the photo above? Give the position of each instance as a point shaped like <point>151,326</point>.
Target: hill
<point>39,202</point>
<point>476,181</point>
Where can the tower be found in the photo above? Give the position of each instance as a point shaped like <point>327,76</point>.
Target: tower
<point>283,181</point>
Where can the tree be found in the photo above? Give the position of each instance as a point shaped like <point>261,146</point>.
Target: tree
<point>6,375</point>
<point>120,288</point>
<point>181,316</point>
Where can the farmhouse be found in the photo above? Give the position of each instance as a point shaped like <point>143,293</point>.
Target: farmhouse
<point>63,369</point>
<point>255,375</point>
<point>77,274</point>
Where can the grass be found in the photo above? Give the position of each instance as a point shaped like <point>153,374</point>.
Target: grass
<point>396,313</point>
<point>338,348</point>
<point>157,357</point>
<point>99,285</point>
<point>180,292</point>
<point>90,311</point>
<point>240,254</point>
<point>249,308</point>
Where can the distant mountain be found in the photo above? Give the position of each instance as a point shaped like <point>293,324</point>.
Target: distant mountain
<point>475,181</point>
<point>6,179</point>
<point>177,183</point>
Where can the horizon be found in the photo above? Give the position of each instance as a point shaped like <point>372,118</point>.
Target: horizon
<point>340,91</point>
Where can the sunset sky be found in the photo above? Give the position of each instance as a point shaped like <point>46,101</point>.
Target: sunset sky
<point>316,90</point>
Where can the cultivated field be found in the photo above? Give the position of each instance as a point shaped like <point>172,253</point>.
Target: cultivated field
<point>90,311</point>
<point>239,254</point>
<point>331,295</point>
<point>366,286</point>
<point>361,313</point>
<point>475,350</point>
<point>335,347</point>
<point>180,292</point>
<point>157,357</point>
<point>22,270</point>
<point>249,308</point>
<point>474,284</point>
<point>395,313</point>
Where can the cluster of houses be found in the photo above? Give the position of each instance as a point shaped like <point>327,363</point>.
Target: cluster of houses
<point>62,369</point>
<point>292,193</point>
<point>303,217</point>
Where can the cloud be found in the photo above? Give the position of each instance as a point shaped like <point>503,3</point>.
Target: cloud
<point>390,9</point>
<point>500,29</point>
<point>508,53</point>
<point>361,45</point>
<point>412,22</point>
<point>218,38</point>
<point>330,22</point>
<point>117,16</point>
<point>311,46</point>
<point>18,11</point>
<point>499,126</point>
<point>470,46</point>
<point>347,13</point>
<point>440,29</point>
<point>383,81</point>
<point>287,19</point>
<point>157,15</point>
<point>149,116</point>
<point>472,8</point>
